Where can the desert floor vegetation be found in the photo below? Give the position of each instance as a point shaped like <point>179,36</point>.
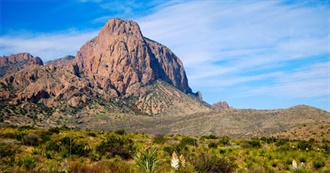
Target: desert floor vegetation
<point>29,149</point>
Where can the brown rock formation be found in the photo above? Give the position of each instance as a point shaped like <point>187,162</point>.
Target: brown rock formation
<point>122,60</point>
<point>221,105</point>
<point>16,62</point>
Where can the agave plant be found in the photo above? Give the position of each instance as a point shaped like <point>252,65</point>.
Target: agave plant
<point>147,159</point>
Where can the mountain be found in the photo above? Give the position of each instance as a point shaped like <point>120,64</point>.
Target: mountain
<point>61,61</point>
<point>119,70</point>
<point>121,60</point>
<point>16,62</point>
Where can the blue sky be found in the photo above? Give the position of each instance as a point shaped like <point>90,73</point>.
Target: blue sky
<point>252,54</point>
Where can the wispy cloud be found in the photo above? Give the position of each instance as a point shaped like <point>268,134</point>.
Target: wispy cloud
<point>47,46</point>
<point>251,43</point>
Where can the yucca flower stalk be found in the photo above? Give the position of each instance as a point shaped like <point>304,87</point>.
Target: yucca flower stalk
<point>175,162</point>
<point>299,169</point>
<point>147,159</point>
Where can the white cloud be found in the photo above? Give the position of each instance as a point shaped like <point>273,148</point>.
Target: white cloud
<point>46,46</point>
<point>228,44</point>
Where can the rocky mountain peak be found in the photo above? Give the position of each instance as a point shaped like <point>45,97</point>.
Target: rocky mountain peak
<point>121,60</point>
<point>15,62</point>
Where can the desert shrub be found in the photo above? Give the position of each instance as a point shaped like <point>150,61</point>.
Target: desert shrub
<point>6,150</point>
<point>27,162</point>
<point>224,140</point>
<point>117,166</point>
<point>269,140</point>
<point>45,135</point>
<point>55,130</point>
<point>212,145</point>
<point>253,143</point>
<point>281,142</point>
<point>169,149</point>
<point>206,163</point>
<point>32,140</point>
<point>209,137</point>
<point>159,139</point>
<point>52,146</point>
<point>326,148</point>
<point>188,141</point>
<point>303,145</point>
<point>16,135</point>
<point>21,128</point>
<point>120,132</point>
<point>116,145</point>
<point>92,134</point>
<point>146,160</point>
<point>318,162</point>
<point>70,146</point>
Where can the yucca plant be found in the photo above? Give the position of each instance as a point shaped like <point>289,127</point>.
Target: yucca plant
<point>299,169</point>
<point>147,159</point>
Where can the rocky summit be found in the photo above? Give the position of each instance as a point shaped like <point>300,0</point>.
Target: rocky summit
<point>117,71</point>
<point>122,60</point>
<point>16,62</point>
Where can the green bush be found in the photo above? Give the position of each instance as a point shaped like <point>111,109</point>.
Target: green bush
<point>52,146</point>
<point>120,132</point>
<point>160,139</point>
<point>55,130</point>
<point>213,145</point>
<point>253,143</point>
<point>206,163</point>
<point>268,140</point>
<point>303,145</point>
<point>116,145</point>
<point>27,162</point>
<point>188,141</point>
<point>169,149</point>
<point>318,162</point>
<point>7,150</point>
<point>224,140</point>
<point>70,146</point>
<point>281,142</point>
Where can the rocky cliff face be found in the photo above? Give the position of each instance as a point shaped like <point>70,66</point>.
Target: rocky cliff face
<point>123,61</point>
<point>117,71</point>
<point>13,63</point>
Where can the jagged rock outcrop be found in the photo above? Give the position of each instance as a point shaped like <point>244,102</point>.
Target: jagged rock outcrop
<point>221,105</point>
<point>16,62</point>
<point>122,60</point>
<point>61,62</point>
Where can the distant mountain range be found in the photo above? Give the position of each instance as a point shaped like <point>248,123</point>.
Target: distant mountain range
<point>114,79</point>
